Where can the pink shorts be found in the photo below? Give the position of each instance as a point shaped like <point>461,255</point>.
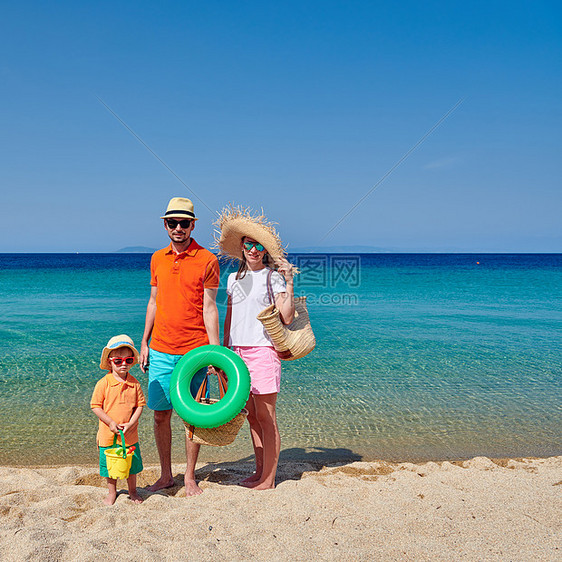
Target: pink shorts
<point>264,366</point>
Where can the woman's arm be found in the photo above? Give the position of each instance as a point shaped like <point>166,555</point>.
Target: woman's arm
<point>285,302</point>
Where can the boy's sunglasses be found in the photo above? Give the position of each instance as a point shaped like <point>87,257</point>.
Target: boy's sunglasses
<point>250,245</point>
<point>118,361</point>
<point>172,223</point>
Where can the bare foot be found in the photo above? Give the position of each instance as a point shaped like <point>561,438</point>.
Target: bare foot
<point>192,488</point>
<point>135,498</point>
<point>110,498</point>
<point>259,485</point>
<point>255,477</point>
<point>161,484</point>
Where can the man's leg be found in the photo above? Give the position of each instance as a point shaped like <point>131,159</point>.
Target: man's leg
<point>192,452</point>
<point>159,373</point>
<point>191,448</point>
<point>163,437</point>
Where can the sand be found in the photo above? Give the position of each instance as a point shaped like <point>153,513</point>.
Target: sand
<point>473,510</point>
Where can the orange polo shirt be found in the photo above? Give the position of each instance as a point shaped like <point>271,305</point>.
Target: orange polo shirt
<point>181,280</point>
<point>117,400</point>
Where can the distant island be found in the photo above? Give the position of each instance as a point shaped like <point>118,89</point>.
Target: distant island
<point>136,250</point>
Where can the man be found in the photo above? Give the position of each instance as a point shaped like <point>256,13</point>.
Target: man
<point>181,315</point>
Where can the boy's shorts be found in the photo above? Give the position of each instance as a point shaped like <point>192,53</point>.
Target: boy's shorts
<point>136,464</point>
<point>159,375</point>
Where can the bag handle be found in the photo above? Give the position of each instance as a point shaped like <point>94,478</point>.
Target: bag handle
<point>270,294</point>
<point>202,389</point>
<point>223,382</point>
<point>223,387</point>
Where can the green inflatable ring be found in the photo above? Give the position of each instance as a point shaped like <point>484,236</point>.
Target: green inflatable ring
<point>235,398</point>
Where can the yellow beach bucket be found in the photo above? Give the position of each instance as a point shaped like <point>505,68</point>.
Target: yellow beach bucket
<point>117,460</point>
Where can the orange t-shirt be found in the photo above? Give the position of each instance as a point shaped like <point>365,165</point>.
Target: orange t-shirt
<point>117,400</point>
<point>181,280</point>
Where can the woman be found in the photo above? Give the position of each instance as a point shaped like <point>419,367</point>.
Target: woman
<point>263,273</point>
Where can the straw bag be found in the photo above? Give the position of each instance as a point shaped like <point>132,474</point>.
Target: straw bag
<point>291,341</point>
<point>215,436</point>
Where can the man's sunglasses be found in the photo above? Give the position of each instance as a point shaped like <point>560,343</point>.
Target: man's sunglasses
<point>118,361</point>
<point>250,245</point>
<point>172,223</point>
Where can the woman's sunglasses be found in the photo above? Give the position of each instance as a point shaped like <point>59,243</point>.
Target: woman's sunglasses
<point>118,361</point>
<point>172,223</point>
<point>250,245</point>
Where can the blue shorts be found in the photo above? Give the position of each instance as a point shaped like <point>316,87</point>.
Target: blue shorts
<point>136,463</point>
<point>159,375</point>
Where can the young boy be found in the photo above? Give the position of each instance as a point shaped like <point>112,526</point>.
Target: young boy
<point>118,402</point>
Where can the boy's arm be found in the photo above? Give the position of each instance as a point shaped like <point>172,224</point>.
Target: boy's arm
<point>148,325</point>
<point>106,419</point>
<point>134,419</point>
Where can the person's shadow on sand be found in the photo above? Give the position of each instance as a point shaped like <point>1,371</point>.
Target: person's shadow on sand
<point>292,464</point>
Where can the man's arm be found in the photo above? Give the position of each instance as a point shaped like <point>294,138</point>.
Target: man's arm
<point>148,325</point>
<point>211,315</point>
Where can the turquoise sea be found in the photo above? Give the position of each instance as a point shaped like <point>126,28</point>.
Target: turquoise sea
<point>419,356</point>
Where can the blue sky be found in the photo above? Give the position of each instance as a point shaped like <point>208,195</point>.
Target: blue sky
<point>296,107</point>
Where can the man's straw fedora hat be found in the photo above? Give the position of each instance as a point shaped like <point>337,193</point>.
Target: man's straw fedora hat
<point>179,208</point>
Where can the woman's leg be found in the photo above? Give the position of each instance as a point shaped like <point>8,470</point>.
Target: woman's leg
<point>256,434</point>
<point>264,405</point>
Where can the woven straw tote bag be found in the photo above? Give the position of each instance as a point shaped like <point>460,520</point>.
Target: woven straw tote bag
<point>291,341</point>
<point>215,436</point>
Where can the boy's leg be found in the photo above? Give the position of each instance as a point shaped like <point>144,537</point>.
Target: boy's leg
<point>132,485</point>
<point>111,482</point>
<point>112,491</point>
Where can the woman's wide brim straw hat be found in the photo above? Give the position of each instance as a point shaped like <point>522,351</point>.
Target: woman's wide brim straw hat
<point>234,223</point>
<point>115,343</point>
<point>180,208</point>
